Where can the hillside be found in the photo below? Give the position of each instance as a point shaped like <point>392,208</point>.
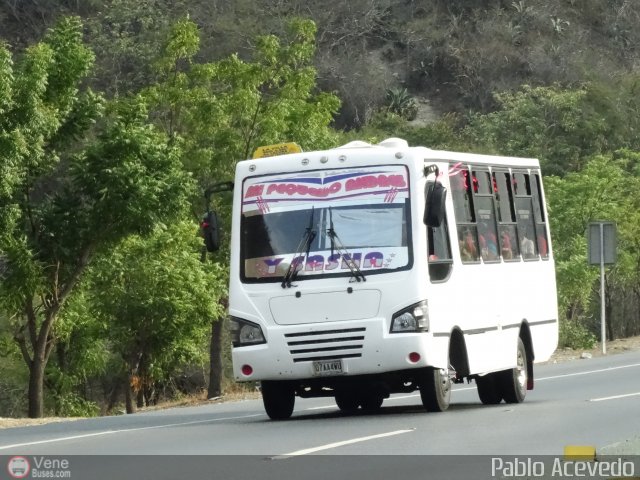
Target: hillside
<point>452,53</point>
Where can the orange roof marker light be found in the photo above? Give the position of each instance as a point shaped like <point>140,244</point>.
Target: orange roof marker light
<point>277,149</point>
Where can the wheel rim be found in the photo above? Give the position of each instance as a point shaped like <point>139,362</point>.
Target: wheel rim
<point>444,383</point>
<point>521,372</point>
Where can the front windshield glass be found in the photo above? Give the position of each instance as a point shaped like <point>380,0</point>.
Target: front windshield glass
<point>368,207</point>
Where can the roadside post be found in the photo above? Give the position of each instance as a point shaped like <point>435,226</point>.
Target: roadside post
<point>601,246</point>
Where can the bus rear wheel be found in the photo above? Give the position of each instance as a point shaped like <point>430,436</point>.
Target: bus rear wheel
<point>278,399</point>
<point>435,389</point>
<point>489,388</point>
<point>347,401</point>
<point>514,380</point>
<point>371,402</point>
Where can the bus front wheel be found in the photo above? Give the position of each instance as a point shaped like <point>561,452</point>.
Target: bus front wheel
<point>435,389</point>
<point>514,380</point>
<point>278,398</point>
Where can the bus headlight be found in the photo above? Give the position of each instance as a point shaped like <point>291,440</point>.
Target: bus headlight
<point>411,319</point>
<point>244,332</point>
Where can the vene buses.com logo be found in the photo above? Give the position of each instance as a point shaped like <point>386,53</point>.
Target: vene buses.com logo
<point>18,467</point>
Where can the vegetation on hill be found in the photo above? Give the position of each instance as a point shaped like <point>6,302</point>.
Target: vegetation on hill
<point>115,115</point>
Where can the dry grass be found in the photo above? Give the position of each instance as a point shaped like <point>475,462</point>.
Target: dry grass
<point>613,347</point>
<point>234,394</point>
<point>28,422</point>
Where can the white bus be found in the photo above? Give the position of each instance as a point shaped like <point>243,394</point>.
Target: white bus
<point>368,270</point>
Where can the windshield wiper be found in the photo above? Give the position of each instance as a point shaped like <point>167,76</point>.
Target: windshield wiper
<point>336,244</point>
<point>303,245</point>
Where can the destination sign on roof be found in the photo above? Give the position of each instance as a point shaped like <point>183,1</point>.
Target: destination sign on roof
<point>275,150</point>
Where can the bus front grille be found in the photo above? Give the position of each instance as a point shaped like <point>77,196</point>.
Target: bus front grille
<point>326,344</point>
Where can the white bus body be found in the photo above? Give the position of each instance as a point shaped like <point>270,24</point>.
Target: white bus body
<point>421,307</point>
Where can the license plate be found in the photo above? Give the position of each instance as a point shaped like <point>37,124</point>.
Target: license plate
<point>327,367</point>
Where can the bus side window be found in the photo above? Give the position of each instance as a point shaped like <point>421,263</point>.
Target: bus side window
<point>485,214</point>
<point>507,226</point>
<point>538,210</point>
<point>468,243</point>
<point>462,184</point>
<point>439,254</point>
<point>525,216</point>
<point>440,262</point>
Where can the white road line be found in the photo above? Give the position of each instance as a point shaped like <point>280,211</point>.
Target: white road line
<point>124,430</point>
<point>614,397</point>
<point>61,439</point>
<point>328,446</point>
<point>402,397</point>
<point>325,407</point>
<point>588,372</point>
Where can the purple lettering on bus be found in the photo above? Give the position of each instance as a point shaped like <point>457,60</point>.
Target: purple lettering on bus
<point>272,264</point>
<point>314,263</point>
<point>332,262</point>
<point>373,260</point>
<point>298,263</point>
<point>356,257</point>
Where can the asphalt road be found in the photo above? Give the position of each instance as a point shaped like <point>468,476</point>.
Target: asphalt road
<point>582,402</point>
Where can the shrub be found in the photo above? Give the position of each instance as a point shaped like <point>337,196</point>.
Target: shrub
<point>400,102</point>
<point>575,335</point>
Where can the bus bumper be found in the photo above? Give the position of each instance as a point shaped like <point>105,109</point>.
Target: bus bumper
<point>348,348</point>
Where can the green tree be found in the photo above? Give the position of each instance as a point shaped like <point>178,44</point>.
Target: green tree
<point>561,127</point>
<point>126,36</point>
<point>80,356</point>
<point>606,189</point>
<point>63,209</point>
<point>222,111</point>
<point>41,110</point>
<point>155,299</point>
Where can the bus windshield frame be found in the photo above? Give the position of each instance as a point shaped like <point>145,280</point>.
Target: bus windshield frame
<point>287,217</point>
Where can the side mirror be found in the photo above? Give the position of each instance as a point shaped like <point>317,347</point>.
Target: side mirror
<point>435,197</point>
<point>210,231</point>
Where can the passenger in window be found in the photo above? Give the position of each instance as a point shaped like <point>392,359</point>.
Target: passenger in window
<point>542,245</point>
<point>507,250</point>
<point>488,242</point>
<point>527,248</point>
<point>484,251</point>
<point>468,250</point>
<point>488,247</point>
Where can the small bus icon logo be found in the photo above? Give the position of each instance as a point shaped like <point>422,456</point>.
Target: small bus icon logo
<point>18,467</point>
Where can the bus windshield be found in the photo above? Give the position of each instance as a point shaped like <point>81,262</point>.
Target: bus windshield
<point>285,221</point>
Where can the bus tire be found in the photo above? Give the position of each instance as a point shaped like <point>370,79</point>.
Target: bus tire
<point>435,389</point>
<point>489,388</point>
<point>371,402</point>
<point>514,380</point>
<point>278,399</point>
<point>347,401</point>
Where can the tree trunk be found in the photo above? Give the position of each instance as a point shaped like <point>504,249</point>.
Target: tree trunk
<point>608,308</point>
<point>36,387</point>
<point>114,395</point>
<point>129,396</point>
<point>215,358</point>
<point>41,352</point>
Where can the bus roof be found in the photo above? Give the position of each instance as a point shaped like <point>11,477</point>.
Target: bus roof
<point>401,149</point>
